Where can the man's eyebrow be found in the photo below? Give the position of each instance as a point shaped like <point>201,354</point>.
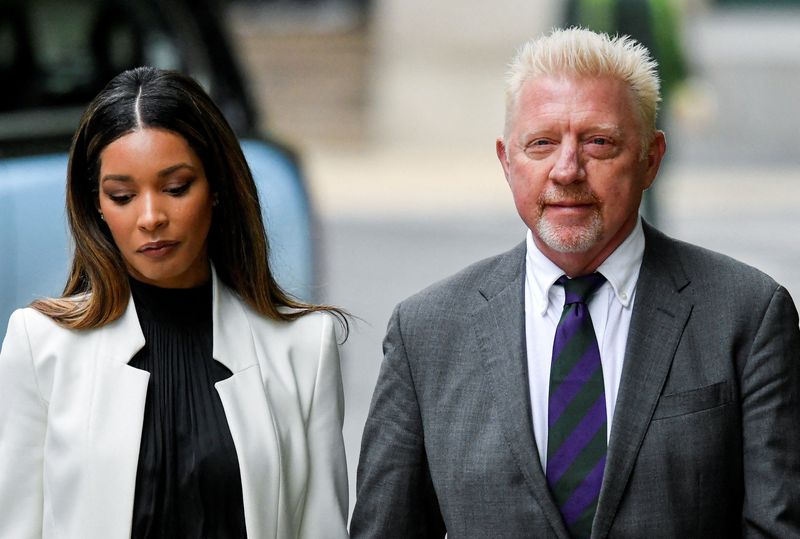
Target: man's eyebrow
<point>614,129</point>
<point>534,133</point>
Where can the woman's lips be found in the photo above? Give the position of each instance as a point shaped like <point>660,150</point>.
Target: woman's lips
<point>157,249</point>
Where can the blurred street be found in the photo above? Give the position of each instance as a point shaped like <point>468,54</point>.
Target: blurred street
<point>407,185</point>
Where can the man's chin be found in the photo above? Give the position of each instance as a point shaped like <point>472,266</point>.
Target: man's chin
<point>568,239</point>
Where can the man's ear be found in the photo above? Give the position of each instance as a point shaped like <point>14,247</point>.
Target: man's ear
<point>502,155</point>
<point>655,154</point>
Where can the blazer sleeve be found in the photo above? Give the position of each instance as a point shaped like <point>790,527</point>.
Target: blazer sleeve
<point>325,510</point>
<point>395,496</point>
<point>770,389</point>
<point>23,420</point>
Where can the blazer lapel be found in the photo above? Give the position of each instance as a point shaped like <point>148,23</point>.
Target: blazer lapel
<point>500,326</point>
<point>117,412</point>
<point>659,317</point>
<point>114,429</point>
<point>249,415</point>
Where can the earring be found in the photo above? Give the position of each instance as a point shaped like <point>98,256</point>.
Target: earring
<point>102,217</point>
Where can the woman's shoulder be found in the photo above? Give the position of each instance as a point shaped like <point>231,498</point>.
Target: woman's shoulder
<point>32,321</point>
<point>47,307</point>
<point>295,328</point>
<point>298,323</point>
<point>32,339</point>
<point>38,323</point>
<point>39,327</point>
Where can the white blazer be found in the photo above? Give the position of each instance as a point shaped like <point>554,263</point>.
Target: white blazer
<point>71,411</point>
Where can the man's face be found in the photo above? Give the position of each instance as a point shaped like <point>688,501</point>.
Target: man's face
<point>572,157</point>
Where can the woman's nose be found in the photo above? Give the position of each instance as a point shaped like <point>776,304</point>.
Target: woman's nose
<point>152,216</point>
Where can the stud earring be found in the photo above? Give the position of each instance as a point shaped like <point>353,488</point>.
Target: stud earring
<point>102,217</point>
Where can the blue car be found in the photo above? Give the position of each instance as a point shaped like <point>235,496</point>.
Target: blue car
<point>61,55</point>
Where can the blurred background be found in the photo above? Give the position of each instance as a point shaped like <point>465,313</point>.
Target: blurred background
<point>395,106</point>
<point>391,108</point>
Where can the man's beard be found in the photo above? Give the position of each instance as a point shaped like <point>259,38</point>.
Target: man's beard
<point>576,238</point>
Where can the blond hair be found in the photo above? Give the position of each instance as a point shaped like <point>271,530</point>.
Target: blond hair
<point>580,53</point>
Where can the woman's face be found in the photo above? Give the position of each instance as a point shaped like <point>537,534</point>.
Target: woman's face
<point>156,200</point>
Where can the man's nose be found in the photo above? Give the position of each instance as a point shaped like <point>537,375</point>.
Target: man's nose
<point>568,167</point>
<point>151,216</point>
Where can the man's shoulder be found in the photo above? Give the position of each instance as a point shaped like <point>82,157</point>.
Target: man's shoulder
<point>469,285</point>
<point>703,266</point>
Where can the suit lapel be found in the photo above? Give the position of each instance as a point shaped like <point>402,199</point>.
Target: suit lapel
<point>114,429</point>
<point>500,327</point>
<point>255,437</point>
<point>117,412</point>
<point>659,317</point>
<point>253,427</point>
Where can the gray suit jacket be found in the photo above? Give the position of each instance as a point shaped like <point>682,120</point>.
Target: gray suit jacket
<point>706,437</point>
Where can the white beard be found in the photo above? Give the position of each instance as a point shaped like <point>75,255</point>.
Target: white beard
<point>570,239</point>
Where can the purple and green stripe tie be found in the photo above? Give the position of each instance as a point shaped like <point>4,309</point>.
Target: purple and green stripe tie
<point>576,444</point>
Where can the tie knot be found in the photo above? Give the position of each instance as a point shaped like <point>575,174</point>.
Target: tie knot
<point>579,289</point>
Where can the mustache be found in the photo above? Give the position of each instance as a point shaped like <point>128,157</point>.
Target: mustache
<point>574,193</point>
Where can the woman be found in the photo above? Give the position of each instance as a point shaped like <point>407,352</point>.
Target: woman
<point>173,390</point>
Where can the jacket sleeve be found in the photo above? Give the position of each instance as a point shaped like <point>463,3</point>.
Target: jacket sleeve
<point>23,420</point>
<point>395,492</point>
<point>770,389</point>
<point>325,511</point>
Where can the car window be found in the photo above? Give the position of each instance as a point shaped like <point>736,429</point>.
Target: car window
<point>55,55</point>
<point>65,49</point>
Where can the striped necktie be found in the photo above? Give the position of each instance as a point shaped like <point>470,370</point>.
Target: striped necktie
<point>576,445</point>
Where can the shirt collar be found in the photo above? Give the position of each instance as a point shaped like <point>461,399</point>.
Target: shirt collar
<point>621,270</point>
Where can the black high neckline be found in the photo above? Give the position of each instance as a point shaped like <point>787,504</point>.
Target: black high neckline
<point>175,307</point>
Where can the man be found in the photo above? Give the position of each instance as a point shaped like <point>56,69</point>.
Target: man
<point>672,404</point>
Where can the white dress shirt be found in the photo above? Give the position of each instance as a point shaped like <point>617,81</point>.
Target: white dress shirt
<point>610,308</point>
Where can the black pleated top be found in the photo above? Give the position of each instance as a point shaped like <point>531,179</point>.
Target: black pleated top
<point>188,483</point>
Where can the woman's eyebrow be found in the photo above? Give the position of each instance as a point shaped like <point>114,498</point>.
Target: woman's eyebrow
<point>169,170</point>
<point>161,173</point>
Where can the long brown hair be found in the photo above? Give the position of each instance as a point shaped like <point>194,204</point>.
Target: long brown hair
<point>97,289</point>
